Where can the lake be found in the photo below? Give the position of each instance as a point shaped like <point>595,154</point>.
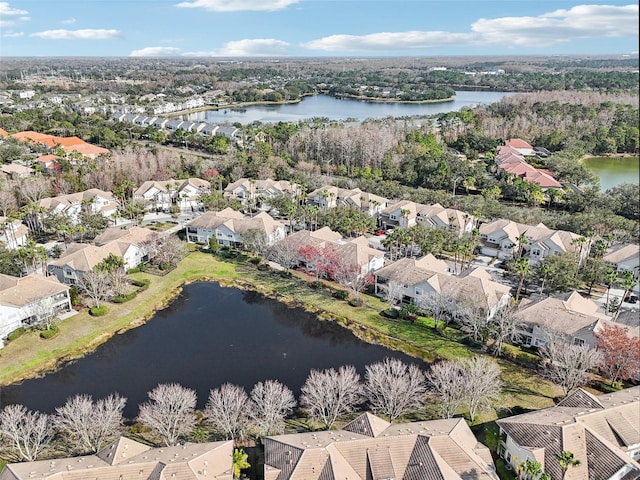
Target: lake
<point>207,336</point>
<point>340,109</point>
<point>614,170</point>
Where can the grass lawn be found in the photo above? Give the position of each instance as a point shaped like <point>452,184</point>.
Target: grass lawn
<point>30,355</point>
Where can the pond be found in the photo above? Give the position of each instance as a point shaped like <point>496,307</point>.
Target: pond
<point>207,336</point>
<point>319,106</point>
<point>614,170</point>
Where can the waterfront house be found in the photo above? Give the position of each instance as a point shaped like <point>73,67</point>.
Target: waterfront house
<point>228,226</point>
<point>24,301</point>
<point>602,432</point>
<point>127,459</point>
<point>372,448</point>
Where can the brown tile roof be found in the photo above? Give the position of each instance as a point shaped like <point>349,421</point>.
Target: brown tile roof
<point>22,291</point>
<point>127,459</point>
<point>622,253</point>
<point>370,447</point>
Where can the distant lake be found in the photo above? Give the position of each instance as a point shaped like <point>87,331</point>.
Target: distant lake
<point>340,109</point>
<point>207,336</point>
<point>614,170</point>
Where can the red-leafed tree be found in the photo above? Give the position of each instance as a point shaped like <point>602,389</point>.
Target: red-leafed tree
<point>320,262</point>
<point>620,353</point>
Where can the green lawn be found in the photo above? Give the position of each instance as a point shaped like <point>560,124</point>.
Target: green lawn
<point>30,355</point>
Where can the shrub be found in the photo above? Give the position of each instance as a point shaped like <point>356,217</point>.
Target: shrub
<point>255,260</point>
<point>98,311</point>
<point>315,285</point>
<point>17,333</point>
<point>141,284</point>
<point>356,302</point>
<point>125,298</point>
<point>391,313</point>
<point>50,333</point>
<point>135,269</point>
<point>341,294</point>
<point>74,296</point>
<point>263,267</point>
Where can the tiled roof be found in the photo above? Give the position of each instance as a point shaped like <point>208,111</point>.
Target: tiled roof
<point>22,291</point>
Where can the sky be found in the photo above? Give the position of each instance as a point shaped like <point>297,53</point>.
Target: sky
<point>315,28</point>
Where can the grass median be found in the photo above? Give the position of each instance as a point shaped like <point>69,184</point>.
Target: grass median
<point>30,355</point>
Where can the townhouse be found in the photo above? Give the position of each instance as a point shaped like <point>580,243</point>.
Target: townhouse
<point>13,233</point>
<point>505,239</point>
<point>401,214</point>
<point>79,258</point>
<point>510,159</point>
<point>93,201</point>
<point>126,459</point>
<point>162,195</point>
<point>571,315</point>
<point>228,227</point>
<point>372,448</point>
<point>624,258</point>
<point>328,197</point>
<point>602,432</point>
<point>67,144</point>
<point>437,216</point>
<point>25,300</point>
<point>260,191</point>
<point>429,276</point>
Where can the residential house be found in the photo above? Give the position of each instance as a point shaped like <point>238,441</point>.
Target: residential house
<point>356,251</point>
<point>15,170</point>
<point>13,233</point>
<point>372,448</point>
<point>79,258</point>
<point>328,197</point>
<point>505,239</point>
<point>49,164</point>
<point>602,432</point>
<point>67,144</point>
<point>436,216</point>
<point>522,147</point>
<point>25,300</point>
<point>91,201</point>
<point>126,459</point>
<point>318,238</point>
<point>571,315</point>
<point>510,159</point>
<point>401,214</point>
<point>228,226</point>
<point>624,258</point>
<point>369,203</point>
<point>161,195</point>
<point>430,276</point>
<point>260,191</point>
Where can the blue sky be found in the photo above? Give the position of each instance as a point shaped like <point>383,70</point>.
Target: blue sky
<point>303,28</point>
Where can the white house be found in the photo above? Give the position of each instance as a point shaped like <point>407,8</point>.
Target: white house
<point>13,233</point>
<point>91,201</point>
<point>570,315</point>
<point>228,226</point>
<point>437,216</point>
<point>246,190</point>
<point>400,214</point>
<point>601,431</point>
<point>161,195</point>
<point>356,251</point>
<point>504,239</point>
<point>79,258</point>
<point>624,258</point>
<point>26,300</point>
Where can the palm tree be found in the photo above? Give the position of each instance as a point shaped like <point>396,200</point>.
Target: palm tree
<point>543,270</point>
<point>612,277</point>
<point>522,241</point>
<point>580,242</point>
<point>566,460</point>
<point>629,280</point>
<point>522,268</point>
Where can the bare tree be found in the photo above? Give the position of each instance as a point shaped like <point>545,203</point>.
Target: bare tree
<point>27,433</point>
<point>271,402</point>
<point>504,327</point>
<point>328,394</point>
<point>170,411</point>
<point>482,383</point>
<point>7,202</point>
<point>565,364</point>
<point>90,425</point>
<point>393,293</point>
<point>350,276</point>
<point>165,250</point>
<point>284,253</point>
<point>32,189</point>
<point>447,382</point>
<point>441,305</point>
<point>43,312</point>
<point>95,284</point>
<point>472,318</point>
<point>394,388</point>
<point>228,410</point>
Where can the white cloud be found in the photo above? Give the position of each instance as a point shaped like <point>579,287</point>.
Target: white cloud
<point>68,21</point>
<point>11,34</point>
<point>155,52</point>
<point>238,5</point>
<point>84,34</point>
<point>8,11</point>
<point>390,41</point>
<point>10,16</point>
<point>559,26</point>
<point>258,47</point>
